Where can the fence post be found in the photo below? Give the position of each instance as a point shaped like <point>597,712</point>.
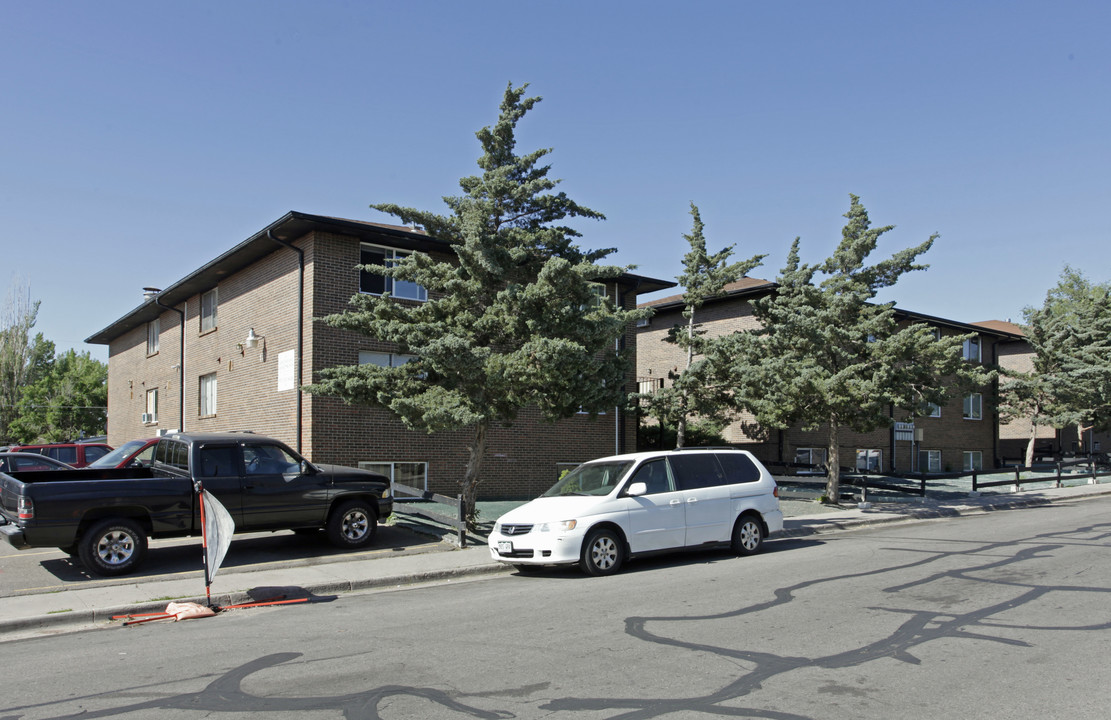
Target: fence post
<point>1058,473</point>
<point>1018,478</point>
<point>923,486</point>
<point>1092,469</point>
<point>462,523</point>
<point>974,478</point>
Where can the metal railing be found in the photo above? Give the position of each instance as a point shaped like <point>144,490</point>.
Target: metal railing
<point>457,520</point>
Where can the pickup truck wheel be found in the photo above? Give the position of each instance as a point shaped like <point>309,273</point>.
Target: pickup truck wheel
<point>113,547</point>
<point>352,524</point>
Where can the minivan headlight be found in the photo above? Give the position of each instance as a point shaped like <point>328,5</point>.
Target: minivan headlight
<point>561,526</point>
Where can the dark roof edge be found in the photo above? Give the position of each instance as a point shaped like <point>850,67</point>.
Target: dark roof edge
<point>289,227</point>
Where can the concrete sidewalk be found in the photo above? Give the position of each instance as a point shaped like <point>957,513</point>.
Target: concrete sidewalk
<point>80,608</point>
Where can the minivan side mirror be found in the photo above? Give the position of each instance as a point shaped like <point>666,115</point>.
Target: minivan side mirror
<point>636,489</point>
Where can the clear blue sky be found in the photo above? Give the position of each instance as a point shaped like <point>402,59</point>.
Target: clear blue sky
<point>140,140</point>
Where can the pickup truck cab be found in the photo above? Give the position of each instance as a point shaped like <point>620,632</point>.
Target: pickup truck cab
<point>104,516</point>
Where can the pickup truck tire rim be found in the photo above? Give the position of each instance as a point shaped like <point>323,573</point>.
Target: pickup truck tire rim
<point>115,548</point>
<point>355,524</point>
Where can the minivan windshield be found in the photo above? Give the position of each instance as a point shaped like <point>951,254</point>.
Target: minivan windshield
<point>590,479</point>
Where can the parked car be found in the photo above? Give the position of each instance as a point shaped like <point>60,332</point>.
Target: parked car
<point>133,453</point>
<point>15,462</point>
<point>77,455</point>
<point>105,515</point>
<point>606,511</point>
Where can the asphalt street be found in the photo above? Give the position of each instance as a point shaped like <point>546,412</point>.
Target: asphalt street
<point>1001,614</point>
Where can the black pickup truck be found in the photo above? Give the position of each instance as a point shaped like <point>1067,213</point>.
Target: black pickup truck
<point>105,516</point>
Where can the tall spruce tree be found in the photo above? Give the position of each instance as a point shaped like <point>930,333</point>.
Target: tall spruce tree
<point>698,389</point>
<point>515,321</point>
<point>1071,339</point>
<point>827,356</point>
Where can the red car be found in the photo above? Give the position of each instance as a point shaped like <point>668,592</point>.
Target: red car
<point>77,455</point>
<point>133,453</point>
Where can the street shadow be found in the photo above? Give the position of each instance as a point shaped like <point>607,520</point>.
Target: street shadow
<point>247,552</point>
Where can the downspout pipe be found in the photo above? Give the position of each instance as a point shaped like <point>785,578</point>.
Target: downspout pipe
<point>300,329</point>
<point>619,418</point>
<point>180,362</point>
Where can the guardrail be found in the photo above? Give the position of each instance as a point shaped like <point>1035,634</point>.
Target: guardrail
<point>457,520</point>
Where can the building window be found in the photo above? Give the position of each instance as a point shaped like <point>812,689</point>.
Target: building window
<point>973,406</point>
<point>973,460</point>
<point>972,349</point>
<point>412,474</point>
<point>598,290</point>
<point>937,333</point>
<point>929,461</point>
<point>378,284</point>
<point>644,322</point>
<point>152,406</point>
<point>933,410</point>
<point>383,359</point>
<point>208,395</point>
<point>813,459</point>
<point>209,300</point>
<point>154,329</point>
<point>869,460</point>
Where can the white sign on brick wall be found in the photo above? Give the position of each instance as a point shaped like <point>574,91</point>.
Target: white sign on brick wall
<point>285,371</point>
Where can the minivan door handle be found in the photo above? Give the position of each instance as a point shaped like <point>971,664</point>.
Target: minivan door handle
<point>676,501</point>
<point>692,500</point>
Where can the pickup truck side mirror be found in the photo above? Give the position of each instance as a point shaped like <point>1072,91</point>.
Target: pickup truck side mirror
<point>307,468</point>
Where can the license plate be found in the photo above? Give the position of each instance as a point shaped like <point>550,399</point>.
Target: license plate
<point>505,547</point>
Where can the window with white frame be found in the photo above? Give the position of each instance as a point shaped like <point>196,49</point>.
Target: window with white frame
<point>209,301</point>
<point>929,461</point>
<point>972,349</point>
<point>644,322</point>
<point>973,460</point>
<point>412,474</point>
<point>154,329</point>
<point>937,333</point>
<point>384,359</point>
<point>208,394</point>
<point>814,457</point>
<point>973,406</point>
<point>598,290</point>
<point>869,460</point>
<point>378,284</point>
<point>933,410</point>
<point>152,405</point>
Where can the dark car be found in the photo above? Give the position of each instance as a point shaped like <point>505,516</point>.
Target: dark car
<point>16,462</point>
<point>77,455</point>
<point>133,453</point>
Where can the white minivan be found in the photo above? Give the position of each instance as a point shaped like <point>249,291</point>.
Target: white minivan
<point>607,510</point>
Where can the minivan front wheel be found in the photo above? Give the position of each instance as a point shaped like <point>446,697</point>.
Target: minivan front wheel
<point>602,553</point>
<point>748,535</point>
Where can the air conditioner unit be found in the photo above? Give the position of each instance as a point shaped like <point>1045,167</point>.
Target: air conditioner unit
<point>145,418</point>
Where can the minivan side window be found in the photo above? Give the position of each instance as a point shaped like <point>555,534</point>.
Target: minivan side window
<point>739,468</point>
<point>654,475</point>
<point>696,470</point>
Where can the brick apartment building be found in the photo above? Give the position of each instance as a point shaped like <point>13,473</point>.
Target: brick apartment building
<point>228,347</point>
<point>960,435</point>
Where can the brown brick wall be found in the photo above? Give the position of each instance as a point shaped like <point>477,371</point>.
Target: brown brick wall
<point>950,433</point>
<point>522,461</point>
